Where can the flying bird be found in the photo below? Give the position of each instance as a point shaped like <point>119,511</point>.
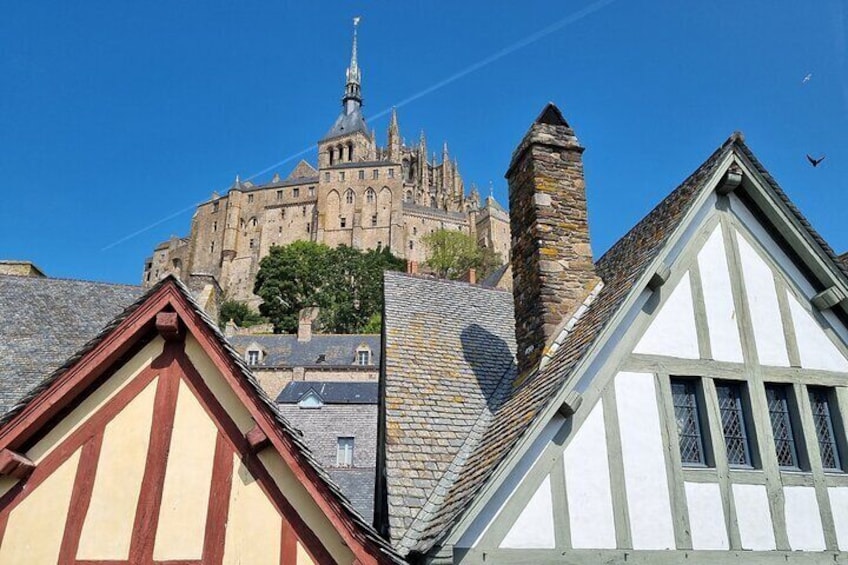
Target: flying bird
<point>807,78</point>
<point>814,162</point>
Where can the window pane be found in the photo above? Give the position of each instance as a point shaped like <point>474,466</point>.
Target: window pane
<point>823,420</point>
<point>685,401</point>
<point>733,424</point>
<point>344,452</point>
<point>781,425</point>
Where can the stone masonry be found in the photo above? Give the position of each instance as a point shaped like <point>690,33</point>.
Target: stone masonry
<point>552,264</point>
<point>361,195</point>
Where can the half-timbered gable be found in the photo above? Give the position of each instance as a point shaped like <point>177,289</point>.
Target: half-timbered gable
<point>156,445</point>
<point>688,406</point>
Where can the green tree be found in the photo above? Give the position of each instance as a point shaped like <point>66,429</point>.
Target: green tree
<point>240,313</point>
<point>346,285</point>
<point>453,253</point>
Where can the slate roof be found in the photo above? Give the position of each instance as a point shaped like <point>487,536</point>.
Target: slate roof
<point>415,354</point>
<point>44,321</point>
<point>450,355</point>
<point>346,124</point>
<point>358,485</point>
<point>283,350</point>
<point>429,210</point>
<point>330,392</point>
<point>493,278</point>
<point>294,435</point>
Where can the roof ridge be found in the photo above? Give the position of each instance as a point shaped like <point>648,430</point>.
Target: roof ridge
<point>71,279</point>
<point>435,279</point>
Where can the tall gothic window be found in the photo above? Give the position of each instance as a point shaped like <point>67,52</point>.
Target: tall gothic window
<point>821,401</point>
<point>731,406</point>
<point>349,196</point>
<point>688,415</point>
<point>370,196</point>
<point>781,425</point>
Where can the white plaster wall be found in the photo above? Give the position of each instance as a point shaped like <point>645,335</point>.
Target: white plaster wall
<point>839,507</point>
<point>814,346</point>
<point>762,301</point>
<point>718,299</point>
<point>672,331</point>
<point>803,520</point>
<point>643,455</point>
<point>253,525</point>
<point>754,517</point>
<point>706,516</point>
<point>534,527</point>
<point>587,484</point>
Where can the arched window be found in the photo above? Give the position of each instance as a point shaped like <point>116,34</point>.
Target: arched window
<point>433,202</point>
<point>330,153</point>
<point>370,196</point>
<point>409,196</point>
<point>253,221</point>
<point>350,151</point>
<point>349,196</point>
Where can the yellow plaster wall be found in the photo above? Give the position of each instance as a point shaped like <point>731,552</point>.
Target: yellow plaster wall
<point>96,400</point>
<point>306,507</point>
<point>185,497</point>
<point>254,527</point>
<point>107,530</point>
<point>36,526</point>
<point>216,383</point>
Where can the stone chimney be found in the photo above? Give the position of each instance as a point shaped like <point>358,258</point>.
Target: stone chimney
<point>551,260</point>
<point>412,267</point>
<point>470,276</point>
<point>304,324</point>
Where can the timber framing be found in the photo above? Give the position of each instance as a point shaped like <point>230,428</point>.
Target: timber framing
<point>168,311</point>
<point>737,192</point>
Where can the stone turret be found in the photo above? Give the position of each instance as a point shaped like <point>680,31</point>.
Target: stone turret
<point>551,254</point>
<point>393,138</point>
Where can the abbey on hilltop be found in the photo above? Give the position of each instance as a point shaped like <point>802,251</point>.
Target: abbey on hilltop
<point>360,194</point>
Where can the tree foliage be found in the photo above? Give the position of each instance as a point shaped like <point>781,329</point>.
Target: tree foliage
<point>240,313</point>
<point>453,253</point>
<point>346,285</point>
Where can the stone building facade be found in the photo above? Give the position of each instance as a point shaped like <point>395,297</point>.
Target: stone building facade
<point>361,195</point>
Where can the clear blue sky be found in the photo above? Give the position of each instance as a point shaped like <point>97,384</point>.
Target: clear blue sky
<point>116,115</point>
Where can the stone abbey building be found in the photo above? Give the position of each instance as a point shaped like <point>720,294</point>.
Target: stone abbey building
<point>360,194</point>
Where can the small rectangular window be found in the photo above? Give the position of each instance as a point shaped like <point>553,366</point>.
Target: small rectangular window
<point>375,174</point>
<point>342,222</point>
<point>326,177</point>
<point>361,175</point>
<point>344,452</point>
<point>363,357</point>
<point>282,212</point>
<point>824,409</point>
<point>214,206</point>
<point>279,195</point>
<point>733,423</point>
<point>687,412</point>
<point>252,357</point>
<point>251,243</point>
<point>391,173</point>
<point>249,198</point>
<point>214,226</point>
<point>212,247</point>
<point>373,220</point>
<point>296,192</point>
<point>341,175</point>
<point>781,424</point>
<point>303,211</point>
<point>311,191</point>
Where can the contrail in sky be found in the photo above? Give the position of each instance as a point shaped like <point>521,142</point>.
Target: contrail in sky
<point>530,39</point>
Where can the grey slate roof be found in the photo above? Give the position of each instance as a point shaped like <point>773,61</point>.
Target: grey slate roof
<point>430,211</point>
<point>493,278</point>
<point>294,435</point>
<point>358,485</point>
<point>283,350</point>
<point>450,358</point>
<point>44,321</point>
<point>346,124</point>
<point>330,392</point>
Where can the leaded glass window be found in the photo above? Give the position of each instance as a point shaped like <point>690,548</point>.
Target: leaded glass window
<point>820,401</point>
<point>733,424</point>
<point>685,399</point>
<point>781,425</point>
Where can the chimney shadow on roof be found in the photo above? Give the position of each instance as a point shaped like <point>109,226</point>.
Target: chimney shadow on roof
<point>491,360</point>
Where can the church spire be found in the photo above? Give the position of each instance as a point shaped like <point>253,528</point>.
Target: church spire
<point>353,95</point>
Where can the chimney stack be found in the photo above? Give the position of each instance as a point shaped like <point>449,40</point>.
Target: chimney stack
<point>551,260</point>
<point>304,323</point>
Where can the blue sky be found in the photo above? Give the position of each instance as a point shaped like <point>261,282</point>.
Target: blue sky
<point>114,116</point>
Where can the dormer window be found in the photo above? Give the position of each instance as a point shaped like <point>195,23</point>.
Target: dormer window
<point>253,357</point>
<point>310,400</point>
<point>363,355</point>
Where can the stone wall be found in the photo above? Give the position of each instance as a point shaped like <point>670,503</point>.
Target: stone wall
<point>323,426</point>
